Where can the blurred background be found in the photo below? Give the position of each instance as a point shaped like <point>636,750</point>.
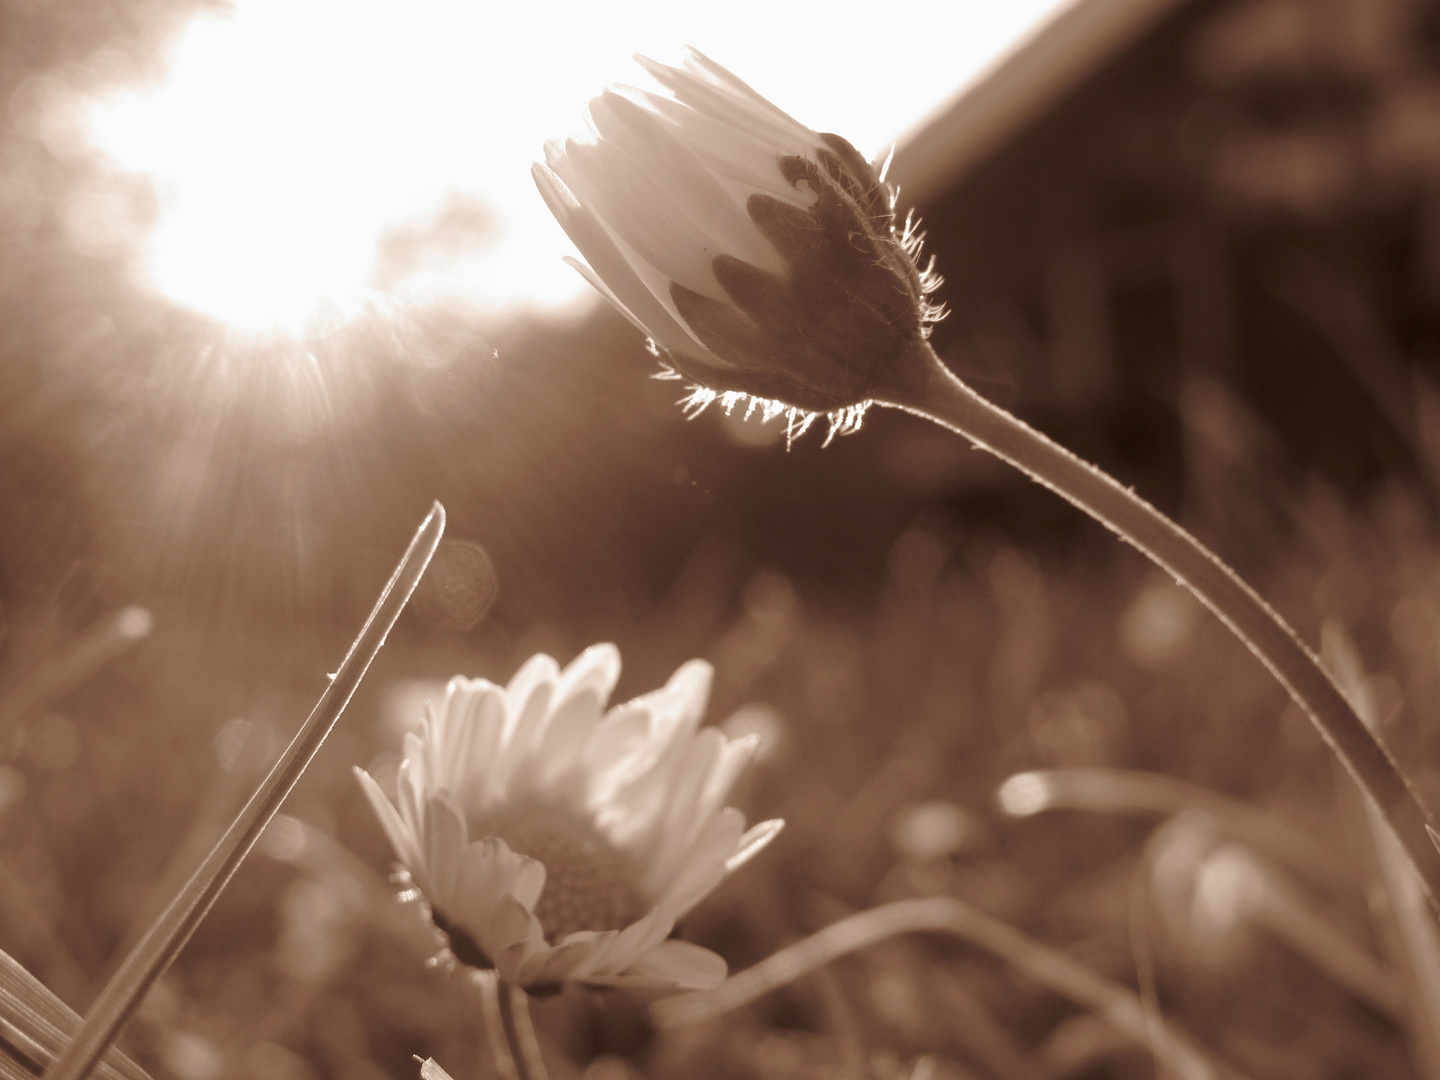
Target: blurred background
<point>273,278</point>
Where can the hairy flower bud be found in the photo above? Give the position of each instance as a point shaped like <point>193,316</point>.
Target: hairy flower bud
<point>762,258</point>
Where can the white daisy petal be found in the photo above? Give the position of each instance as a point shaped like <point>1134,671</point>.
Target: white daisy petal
<point>683,881</point>
<point>402,840</point>
<point>756,839</point>
<point>584,687</point>
<point>621,950</point>
<point>554,965</point>
<point>727,80</point>
<point>718,213</point>
<point>537,671</point>
<point>562,841</point>
<point>740,111</point>
<point>653,313</point>
<point>637,210</point>
<point>483,714</point>
<point>420,761</point>
<point>442,844</point>
<point>596,670</point>
<point>681,964</point>
<point>412,796</point>
<point>734,756</point>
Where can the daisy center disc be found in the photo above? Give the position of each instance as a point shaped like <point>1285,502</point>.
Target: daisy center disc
<point>590,884</point>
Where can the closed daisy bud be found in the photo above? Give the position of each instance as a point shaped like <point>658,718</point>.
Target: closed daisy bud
<point>762,258</point>
<point>764,261</point>
<point>556,841</point>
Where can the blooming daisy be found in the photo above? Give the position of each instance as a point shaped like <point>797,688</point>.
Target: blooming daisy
<point>556,841</point>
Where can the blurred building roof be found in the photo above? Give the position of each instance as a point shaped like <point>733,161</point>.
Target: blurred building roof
<point>1017,88</point>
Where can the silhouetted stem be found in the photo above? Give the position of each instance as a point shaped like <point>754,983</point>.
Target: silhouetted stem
<point>924,386</point>
<point>173,927</point>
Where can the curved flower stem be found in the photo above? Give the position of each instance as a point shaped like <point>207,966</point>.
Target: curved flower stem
<point>1174,1050</point>
<point>492,1011</point>
<point>524,1046</point>
<point>922,385</point>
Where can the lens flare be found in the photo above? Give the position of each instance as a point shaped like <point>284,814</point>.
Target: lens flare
<point>308,154</point>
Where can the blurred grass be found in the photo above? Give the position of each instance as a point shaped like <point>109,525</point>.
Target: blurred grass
<point>1213,270</point>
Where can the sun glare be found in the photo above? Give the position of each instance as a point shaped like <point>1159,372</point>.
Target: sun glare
<point>308,153</point>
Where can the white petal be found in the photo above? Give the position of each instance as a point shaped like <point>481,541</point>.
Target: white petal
<point>527,699</point>
<point>620,950</point>
<point>730,152</point>
<point>529,882</point>
<point>597,669</point>
<point>443,844</point>
<point>617,738</point>
<point>539,670</point>
<point>691,686</point>
<point>510,936</point>
<point>635,208</point>
<point>748,113</point>
<point>653,314</point>
<point>721,76</point>
<point>419,762</point>
<point>687,786</point>
<point>556,963</point>
<point>460,728</point>
<point>402,840</point>
<point>735,755</point>
<point>685,881</point>
<point>672,713</point>
<point>484,718</point>
<point>598,284</point>
<point>653,146</point>
<point>755,840</point>
<point>680,964</point>
<point>411,797</point>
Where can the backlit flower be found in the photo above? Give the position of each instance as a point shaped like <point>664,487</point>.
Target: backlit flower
<point>762,258</point>
<point>557,841</point>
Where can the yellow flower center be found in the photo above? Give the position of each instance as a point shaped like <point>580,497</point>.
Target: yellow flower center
<point>590,884</point>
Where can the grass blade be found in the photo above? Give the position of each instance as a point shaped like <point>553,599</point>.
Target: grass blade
<point>1119,1006</point>
<point>168,934</point>
<point>35,1026</point>
<point>1406,924</point>
<point>1123,791</point>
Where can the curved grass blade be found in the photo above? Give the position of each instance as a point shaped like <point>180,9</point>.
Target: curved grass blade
<point>1407,927</point>
<point>168,934</point>
<point>1131,792</point>
<point>1175,1052</point>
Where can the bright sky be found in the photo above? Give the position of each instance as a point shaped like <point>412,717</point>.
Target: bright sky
<point>292,140</point>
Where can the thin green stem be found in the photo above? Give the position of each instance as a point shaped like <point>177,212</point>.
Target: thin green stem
<point>1047,966</point>
<point>173,927</point>
<point>926,388</point>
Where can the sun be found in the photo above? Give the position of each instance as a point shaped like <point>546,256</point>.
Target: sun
<point>309,154</point>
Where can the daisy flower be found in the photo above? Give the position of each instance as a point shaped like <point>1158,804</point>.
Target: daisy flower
<point>556,841</point>
<point>762,258</point>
